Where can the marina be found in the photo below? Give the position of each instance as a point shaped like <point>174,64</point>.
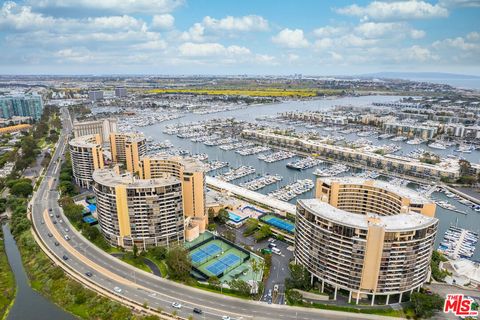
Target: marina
<point>458,243</point>
<point>276,156</point>
<point>261,182</point>
<point>446,217</point>
<point>292,190</point>
<point>332,171</point>
<point>234,174</point>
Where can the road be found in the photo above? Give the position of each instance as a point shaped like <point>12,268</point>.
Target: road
<point>108,272</point>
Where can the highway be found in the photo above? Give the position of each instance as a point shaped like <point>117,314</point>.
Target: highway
<point>77,254</point>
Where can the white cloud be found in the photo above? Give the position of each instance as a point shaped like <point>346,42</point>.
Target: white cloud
<point>291,38</point>
<point>458,43</point>
<point>395,10</point>
<point>190,49</point>
<point>460,3</point>
<point>351,40</point>
<point>195,33</point>
<point>292,57</point>
<point>117,6</point>
<point>322,44</point>
<point>418,54</point>
<point>229,23</point>
<point>21,18</point>
<point>328,31</point>
<point>265,59</point>
<point>417,34</point>
<point>163,21</point>
<point>473,36</point>
<point>151,45</point>
<point>374,30</point>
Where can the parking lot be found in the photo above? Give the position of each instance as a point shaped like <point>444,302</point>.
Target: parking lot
<point>279,270</point>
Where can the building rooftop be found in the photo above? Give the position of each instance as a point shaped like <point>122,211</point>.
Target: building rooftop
<point>88,141</point>
<point>109,177</point>
<point>399,222</point>
<point>414,196</point>
<point>189,164</point>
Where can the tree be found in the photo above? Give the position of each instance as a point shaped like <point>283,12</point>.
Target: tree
<point>159,252</point>
<point>425,305</point>
<point>294,297</point>
<point>241,286</point>
<point>179,263</point>
<point>437,273</point>
<point>250,226</point>
<point>214,282</point>
<point>299,277</point>
<point>211,214</point>
<point>135,251</point>
<point>222,216</point>
<point>263,232</point>
<point>66,187</point>
<point>230,235</point>
<point>22,189</point>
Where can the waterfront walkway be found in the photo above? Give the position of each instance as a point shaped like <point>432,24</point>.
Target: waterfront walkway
<point>251,195</point>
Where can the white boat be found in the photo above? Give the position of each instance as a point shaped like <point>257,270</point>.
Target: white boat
<point>437,145</point>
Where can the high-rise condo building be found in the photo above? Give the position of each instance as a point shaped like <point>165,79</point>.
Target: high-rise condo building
<point>128,148</point>
<point>87,156</point>
<point>103,127</point>
<point>23,106</point>
<point>145,212</point>
<point>191,174</point>
<point>370,238</point>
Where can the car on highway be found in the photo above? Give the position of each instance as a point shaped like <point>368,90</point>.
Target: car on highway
<point>51,215</point>
<point>66,237</point>
<point>42,222</point>
<point>177,305</point>
<point>49,234</point>
<point>61,221</point>
<point>88,274</point>
<point>226,318</point>
<point>57,215</point>
<point>66,229</point>
<point>117,289</point>
<point>65,257</point>
<point>56,243</point>
<point>54,222</point>
<point>50,210</point>
<point>197,310</point>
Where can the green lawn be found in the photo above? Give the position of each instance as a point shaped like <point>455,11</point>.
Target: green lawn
<point>7,283</point>
<point>138,262</point>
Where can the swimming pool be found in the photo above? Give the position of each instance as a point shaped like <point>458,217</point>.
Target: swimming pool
<point>235,217</point>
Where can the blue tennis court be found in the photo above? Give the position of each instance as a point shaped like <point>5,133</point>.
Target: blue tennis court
<point>279,223</point>
<point>223,263</point>
<point>202,254</point>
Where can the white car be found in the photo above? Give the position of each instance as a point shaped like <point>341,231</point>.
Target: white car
<point>176,305</point>
<point>117,289</point>
<point>226,318</point>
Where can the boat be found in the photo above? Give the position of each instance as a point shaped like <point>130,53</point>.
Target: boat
<point>303,164</point>
<point>437,145</point>
<point>465,149</point>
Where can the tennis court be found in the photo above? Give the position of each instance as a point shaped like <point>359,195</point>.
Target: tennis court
<point>223,263</point>
<point>202,254</point>
<point>279,223</point>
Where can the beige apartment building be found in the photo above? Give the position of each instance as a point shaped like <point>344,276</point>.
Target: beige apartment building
<point>103,127</point>
<point>127,149</point>
<point>367,237</point>
<point>191,173</point>
<point>145,212</point>
<point>86,154</point>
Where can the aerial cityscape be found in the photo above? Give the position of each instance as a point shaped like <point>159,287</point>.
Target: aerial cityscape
<point>182,159</point>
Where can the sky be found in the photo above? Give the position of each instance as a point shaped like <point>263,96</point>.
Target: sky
<point>255,37</point>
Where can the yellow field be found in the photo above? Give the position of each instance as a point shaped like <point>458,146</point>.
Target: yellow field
<point>239,92</point>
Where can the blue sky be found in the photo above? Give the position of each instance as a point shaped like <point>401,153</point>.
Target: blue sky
<point>238,37</point>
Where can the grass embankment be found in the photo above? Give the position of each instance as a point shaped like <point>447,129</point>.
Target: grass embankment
<point>7,283</point>
<point>268,92</point>
<point>51,281</point>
